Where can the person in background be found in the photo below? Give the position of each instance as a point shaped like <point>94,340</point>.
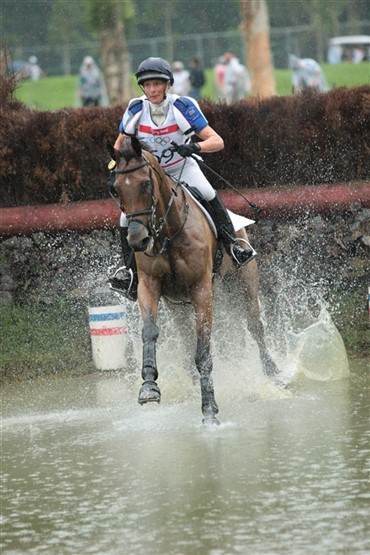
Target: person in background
<point>335,53</point>
<point>358,54</point>
<point>219,71</point>
<point>237,80</point>
<point>90,83</point>
<point>197,78</point>
<point>162,114</point>
<point>307,74</point>
<point>181,81</point>
<point>34,70</point>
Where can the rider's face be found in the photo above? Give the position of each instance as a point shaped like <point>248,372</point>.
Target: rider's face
<point>155,90</point>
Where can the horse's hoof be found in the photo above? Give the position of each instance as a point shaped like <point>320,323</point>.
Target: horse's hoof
<point>281,384</point>
<point>210,420</point>
<point>149,393</point>
<point>270,368</point>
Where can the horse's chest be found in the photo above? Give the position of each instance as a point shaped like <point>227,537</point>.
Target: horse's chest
<point>176,275</point>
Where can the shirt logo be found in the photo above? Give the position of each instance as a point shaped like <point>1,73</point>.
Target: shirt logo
<point>161,131</point>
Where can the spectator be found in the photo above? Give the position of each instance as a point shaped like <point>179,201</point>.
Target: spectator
<point>34,70</point>
<point>335,53</point>
<point>197,79</point>
<point>237,80</point>
<point>358,54</point>
<point>90,84</point>
<point>181,77</point>
<point>219,71</point>
<point>307,74</point>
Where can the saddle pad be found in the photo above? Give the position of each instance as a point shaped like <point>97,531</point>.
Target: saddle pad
<point>238,221</point>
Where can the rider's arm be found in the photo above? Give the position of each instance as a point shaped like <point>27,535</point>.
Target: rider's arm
<point>211,141</point>
<point>121,137</point>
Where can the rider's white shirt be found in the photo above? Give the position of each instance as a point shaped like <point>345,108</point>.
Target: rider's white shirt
<point>157,138</point>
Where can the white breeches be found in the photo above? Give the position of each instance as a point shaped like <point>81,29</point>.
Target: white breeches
<point>193,176</point>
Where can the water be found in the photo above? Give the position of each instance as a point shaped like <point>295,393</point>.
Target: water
<point>86,470</point>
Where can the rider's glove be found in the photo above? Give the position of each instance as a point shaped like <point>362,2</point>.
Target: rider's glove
<point>188,149</point>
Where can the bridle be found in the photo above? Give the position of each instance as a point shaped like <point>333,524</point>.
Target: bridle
<point>149,211</point>
<point>151,227</point>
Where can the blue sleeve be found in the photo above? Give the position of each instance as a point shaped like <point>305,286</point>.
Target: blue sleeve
<point>190,110</point>
<point>135,106</point>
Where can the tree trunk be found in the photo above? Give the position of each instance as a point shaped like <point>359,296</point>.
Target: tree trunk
<point>116,63</point>
<point>256,26</point>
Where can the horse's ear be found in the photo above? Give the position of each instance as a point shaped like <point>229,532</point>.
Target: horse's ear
<point>111,150</point>
<point>136,146</point>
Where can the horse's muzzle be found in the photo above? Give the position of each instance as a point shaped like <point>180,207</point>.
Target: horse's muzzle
<point>139,238</point>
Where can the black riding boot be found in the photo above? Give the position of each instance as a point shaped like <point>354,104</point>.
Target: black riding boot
<point>124,279</point>
<point>225,229</point>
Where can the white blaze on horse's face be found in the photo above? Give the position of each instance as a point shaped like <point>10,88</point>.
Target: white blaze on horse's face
<point>155,90</point>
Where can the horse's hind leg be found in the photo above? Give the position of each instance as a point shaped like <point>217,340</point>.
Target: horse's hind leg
<point>256,328</point>
<point>149,391</point>
<point>250,280</point>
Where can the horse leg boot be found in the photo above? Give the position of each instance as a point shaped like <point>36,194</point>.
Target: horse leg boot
<point>149,391</point>
<point>225,229</point>
<point>203,362</point>
<point>124,279</point>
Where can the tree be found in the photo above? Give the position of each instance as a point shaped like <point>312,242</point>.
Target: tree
<point>108,20</point>
<point>255,18</point>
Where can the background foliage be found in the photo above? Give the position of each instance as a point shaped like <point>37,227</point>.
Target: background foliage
<point>299,139</point>
<point>42,26</point>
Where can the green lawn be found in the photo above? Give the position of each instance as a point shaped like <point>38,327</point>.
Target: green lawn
<point>53,93</point>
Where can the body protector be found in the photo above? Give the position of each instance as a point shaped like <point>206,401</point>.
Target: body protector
<point>184,118</point>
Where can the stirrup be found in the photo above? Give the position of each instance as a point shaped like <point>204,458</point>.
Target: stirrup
<point>239,255</point>
<point>123,284</point>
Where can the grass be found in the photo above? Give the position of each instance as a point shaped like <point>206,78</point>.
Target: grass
<point>36,340</point>
<point>54,93</point>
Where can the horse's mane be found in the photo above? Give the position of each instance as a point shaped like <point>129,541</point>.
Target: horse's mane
<point>128,152</point>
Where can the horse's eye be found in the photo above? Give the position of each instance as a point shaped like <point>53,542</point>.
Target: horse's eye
<point>147,186</point>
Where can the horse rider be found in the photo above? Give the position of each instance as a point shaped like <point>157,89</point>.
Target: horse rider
<point>157,119</point>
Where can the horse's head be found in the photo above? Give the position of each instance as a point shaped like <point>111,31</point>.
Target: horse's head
<point>135,188</point>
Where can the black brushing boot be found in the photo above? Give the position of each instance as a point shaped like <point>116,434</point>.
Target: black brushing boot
<point>225,229</point>
<point>124,279</point>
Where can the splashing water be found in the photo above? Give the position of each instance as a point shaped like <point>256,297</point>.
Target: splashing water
<point>318,351</point>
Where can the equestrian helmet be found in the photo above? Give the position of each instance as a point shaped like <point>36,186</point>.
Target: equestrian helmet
<point>154,68</point>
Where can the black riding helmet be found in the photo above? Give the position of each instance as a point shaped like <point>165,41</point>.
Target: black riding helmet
<point>154,68</point>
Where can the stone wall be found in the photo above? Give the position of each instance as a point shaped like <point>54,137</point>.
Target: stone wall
<point>305,262</point>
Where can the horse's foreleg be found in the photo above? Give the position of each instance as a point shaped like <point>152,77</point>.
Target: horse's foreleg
<point>149,390</point>
<point>203,361</point>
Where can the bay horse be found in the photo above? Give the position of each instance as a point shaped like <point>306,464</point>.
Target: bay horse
<point>175,249</point>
